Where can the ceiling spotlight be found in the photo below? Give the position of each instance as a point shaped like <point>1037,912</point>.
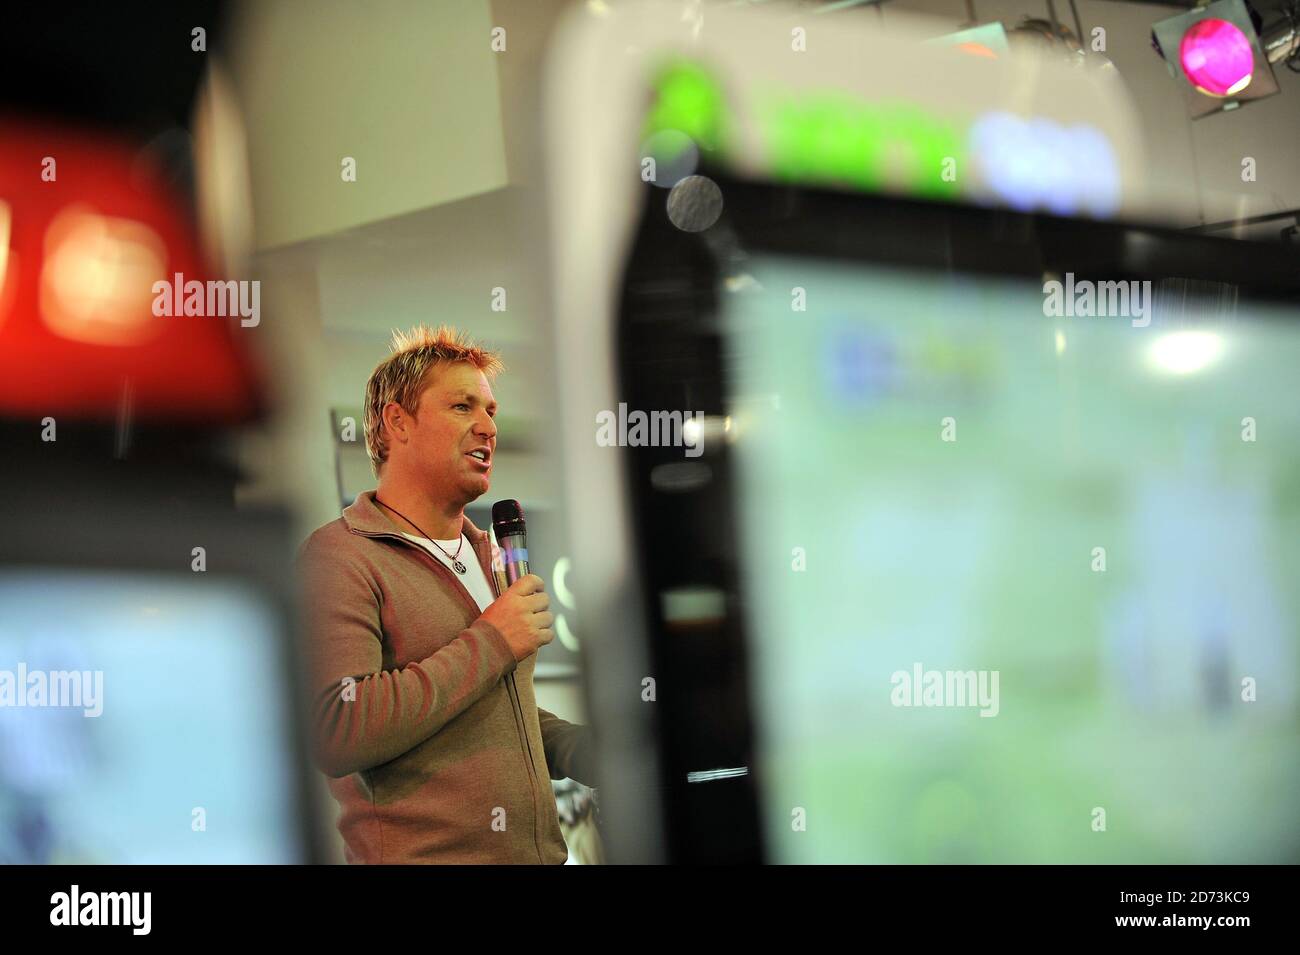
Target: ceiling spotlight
<point>1057,40</point>
<point>1043,34</point>
<point>1216,57</point>
<point>1216,51</point>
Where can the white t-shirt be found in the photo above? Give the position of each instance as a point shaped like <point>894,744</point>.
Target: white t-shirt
<point>474,579</point>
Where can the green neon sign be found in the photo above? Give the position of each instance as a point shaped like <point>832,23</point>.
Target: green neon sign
<point>821,137</point>
<point>835,138</point>
<point>688,99</point>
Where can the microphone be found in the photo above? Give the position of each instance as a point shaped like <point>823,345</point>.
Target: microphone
<point>512,538</point>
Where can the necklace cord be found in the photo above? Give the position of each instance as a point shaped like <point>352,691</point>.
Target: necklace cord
<point>417,527</point>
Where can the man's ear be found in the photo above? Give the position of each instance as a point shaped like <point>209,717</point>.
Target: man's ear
<point>394,417</point>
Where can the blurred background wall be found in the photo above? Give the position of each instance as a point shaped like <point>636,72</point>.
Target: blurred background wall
<point>445,207</point>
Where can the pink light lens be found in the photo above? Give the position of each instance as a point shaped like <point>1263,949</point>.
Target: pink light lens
<point>1217,58</point>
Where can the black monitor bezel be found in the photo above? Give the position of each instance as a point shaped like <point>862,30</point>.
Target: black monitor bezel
<point>668,318</point>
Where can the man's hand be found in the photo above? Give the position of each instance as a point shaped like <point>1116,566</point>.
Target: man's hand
<point>521,615</point>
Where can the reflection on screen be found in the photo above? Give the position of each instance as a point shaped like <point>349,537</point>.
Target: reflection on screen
<point>934,477</point>
<point>142,720</point>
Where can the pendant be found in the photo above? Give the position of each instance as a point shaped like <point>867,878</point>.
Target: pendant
<point>460,568</point>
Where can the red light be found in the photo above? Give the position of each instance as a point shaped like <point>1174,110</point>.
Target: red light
<point>78,259</point>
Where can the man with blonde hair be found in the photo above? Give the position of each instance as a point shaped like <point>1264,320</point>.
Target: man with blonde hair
<point>422,671</point>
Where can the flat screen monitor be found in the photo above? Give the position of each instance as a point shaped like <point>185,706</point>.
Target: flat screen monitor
<point>144,718</point>
<point>1019,587</point>
<point>977,574</point>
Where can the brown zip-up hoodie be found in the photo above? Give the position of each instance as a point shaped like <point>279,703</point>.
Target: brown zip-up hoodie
<point>424,721</point>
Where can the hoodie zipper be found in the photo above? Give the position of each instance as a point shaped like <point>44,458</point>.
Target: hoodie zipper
<point>517,708</point>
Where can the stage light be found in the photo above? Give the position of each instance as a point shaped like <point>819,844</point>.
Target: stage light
<point>1216,49</point>
<point>1216,57</point>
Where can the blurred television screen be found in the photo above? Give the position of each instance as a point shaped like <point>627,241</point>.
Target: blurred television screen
<point>1071,519</point>
<point>149,721</point>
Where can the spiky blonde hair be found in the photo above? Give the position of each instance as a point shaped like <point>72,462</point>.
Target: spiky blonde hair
<point>404,375</point>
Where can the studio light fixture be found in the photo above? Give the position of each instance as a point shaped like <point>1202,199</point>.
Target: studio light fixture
<point>1215,50</point>
<point>1051,36</point>
<point>1216,57</point>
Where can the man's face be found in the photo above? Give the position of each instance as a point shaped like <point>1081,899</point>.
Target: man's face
<point>452,435</point>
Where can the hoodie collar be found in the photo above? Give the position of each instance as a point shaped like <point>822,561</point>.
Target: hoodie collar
<point>363,516</point>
